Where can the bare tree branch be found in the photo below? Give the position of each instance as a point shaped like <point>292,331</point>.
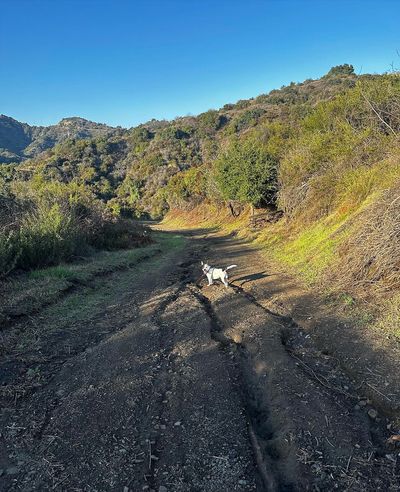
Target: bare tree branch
<point>377,114</point>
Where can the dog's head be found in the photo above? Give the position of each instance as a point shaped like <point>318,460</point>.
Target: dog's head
<point>205,267</point>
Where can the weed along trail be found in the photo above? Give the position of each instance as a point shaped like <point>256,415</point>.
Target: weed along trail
<point>142,378</point>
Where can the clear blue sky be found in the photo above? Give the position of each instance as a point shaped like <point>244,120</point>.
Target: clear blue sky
<point>124,62</point>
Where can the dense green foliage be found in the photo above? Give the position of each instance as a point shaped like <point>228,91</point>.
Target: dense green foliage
<point>43,223</point>
<point>246,172</point>
<point>143,171</point>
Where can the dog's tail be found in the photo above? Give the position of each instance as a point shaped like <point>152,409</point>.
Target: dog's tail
<point>229,267</point>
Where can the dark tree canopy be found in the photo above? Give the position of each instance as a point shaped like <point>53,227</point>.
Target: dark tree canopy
<point>344,69</point>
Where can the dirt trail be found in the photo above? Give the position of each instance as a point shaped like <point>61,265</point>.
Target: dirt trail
<point>175,386</point>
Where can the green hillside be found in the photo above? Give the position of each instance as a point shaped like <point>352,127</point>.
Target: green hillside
<point>131,168</point>
<point>20,141</point>
<point>324,152</point>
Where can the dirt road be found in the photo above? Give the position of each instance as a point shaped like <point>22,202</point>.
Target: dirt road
<point>145,380</point>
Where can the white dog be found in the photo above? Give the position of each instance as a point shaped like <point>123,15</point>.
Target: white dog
<point>216,273</point>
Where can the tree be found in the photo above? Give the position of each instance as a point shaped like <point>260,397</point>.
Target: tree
<point>247,172</point>
<point>210,122</point>
<point>344,69</point>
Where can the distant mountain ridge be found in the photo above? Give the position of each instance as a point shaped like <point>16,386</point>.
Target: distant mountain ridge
<point>20,141</point>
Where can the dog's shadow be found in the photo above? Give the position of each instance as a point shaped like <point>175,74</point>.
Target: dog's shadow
<point>250,278</point>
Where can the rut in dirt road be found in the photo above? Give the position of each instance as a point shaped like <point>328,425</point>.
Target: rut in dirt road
<point>269,465</point>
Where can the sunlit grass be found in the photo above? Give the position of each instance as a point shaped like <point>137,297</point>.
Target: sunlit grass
<point>313,250</point>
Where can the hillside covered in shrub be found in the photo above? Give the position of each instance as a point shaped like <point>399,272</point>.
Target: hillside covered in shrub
<point>324,152</point>
<point>165,164</point>
<point>20,141</point>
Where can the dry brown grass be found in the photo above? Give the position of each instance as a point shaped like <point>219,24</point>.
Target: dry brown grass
<point>369,260</point>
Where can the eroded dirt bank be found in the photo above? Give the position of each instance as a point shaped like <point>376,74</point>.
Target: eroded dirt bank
<point>165,384</point>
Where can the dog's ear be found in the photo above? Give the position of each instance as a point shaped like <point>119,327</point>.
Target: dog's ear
<point>202,263</point>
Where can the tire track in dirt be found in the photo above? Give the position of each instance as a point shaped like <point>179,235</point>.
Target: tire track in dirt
<point>257,410</point>
<point>165,366</point>
<point>289,331</point>
<point>266,478</point>
<point>185,358</point>
<point>297,345</point>
<point>32,421</point>
<point>151,406</point>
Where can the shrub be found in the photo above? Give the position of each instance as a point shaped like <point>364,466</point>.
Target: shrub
<point>9,252</point>
<point>122,234</point>
<point>10,212</point>
<point>209,122</point>
<point>247,172</point>
<point>53,221</point>
<point>47,236</point>
<point>186,188</point>
<point>341,70</point>
<point>246,119</point>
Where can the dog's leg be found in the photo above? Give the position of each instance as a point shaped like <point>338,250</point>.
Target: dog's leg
<point>210,280</point>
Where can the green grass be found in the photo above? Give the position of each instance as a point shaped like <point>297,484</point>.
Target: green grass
<point>59,271</point>
<point>313,250</point>
<point>108,290</point>
<point>39,287</point>
<point>106,261</point>
<point>98,308</point>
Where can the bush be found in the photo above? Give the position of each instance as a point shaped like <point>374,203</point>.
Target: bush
<point>48,222</point>
<point>246,172</point>
<point>186,189</point>
<point>341,70</point>
<point>47,236</point>
<point>122,234</point>
<point>9,252</point>
<point>10,212</point>
<point>210,122</point>
<point>245,120</point>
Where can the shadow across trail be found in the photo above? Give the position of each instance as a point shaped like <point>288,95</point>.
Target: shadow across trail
<point>249,278</point>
